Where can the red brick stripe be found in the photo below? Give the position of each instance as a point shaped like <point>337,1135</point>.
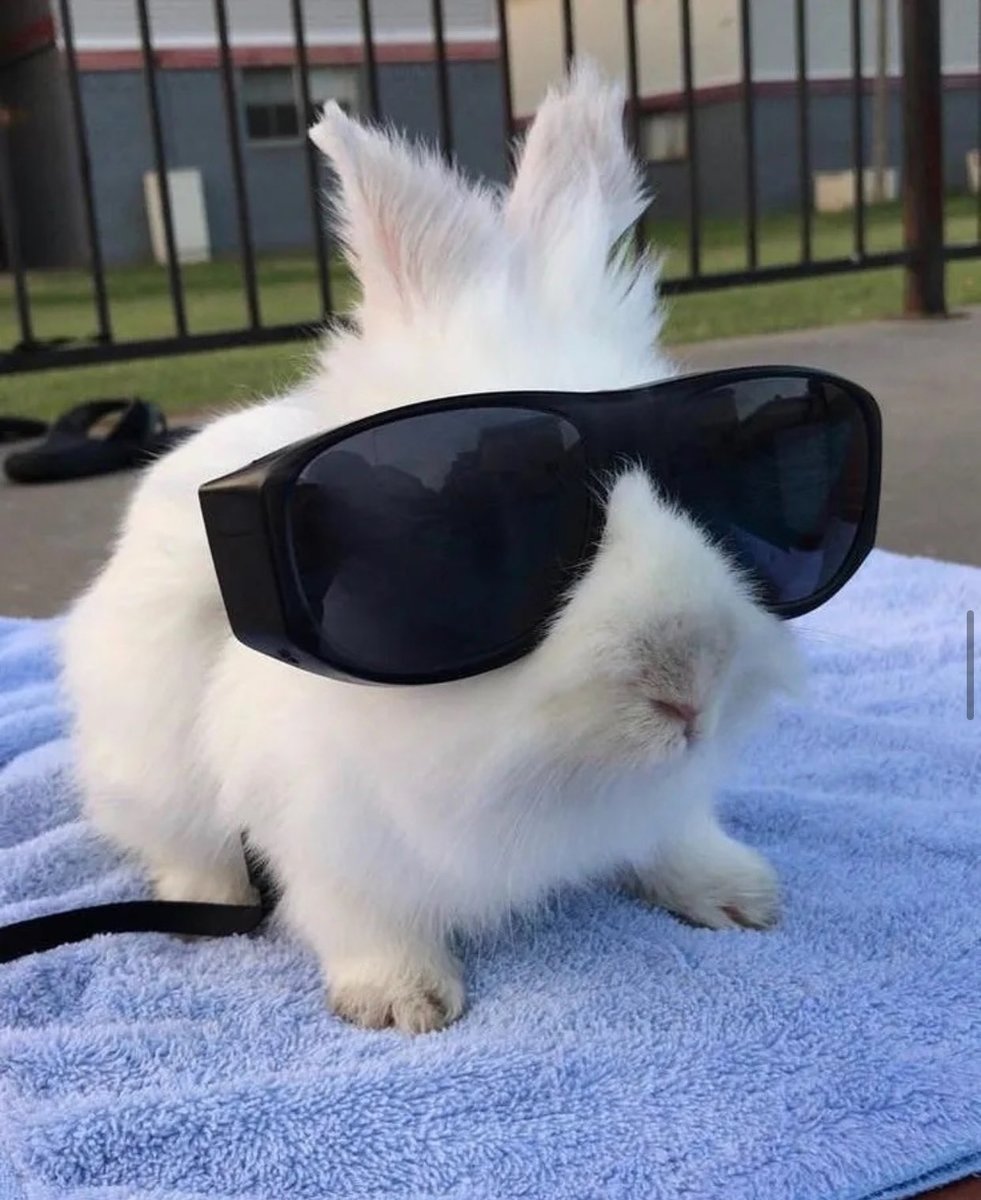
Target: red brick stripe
<point>207,58</point>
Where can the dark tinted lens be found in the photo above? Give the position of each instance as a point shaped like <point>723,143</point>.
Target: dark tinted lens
<point>778,469</point>
<point>434,543</point>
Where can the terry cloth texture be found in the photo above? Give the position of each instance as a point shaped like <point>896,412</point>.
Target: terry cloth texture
<point>607,1050</point>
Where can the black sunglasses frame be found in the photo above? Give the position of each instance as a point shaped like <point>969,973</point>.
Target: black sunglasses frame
<point>245,514</point>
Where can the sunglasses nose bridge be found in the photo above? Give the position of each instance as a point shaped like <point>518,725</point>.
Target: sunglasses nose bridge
<point>624,434</point>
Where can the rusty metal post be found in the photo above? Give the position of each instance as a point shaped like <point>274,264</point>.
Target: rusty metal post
<point>923,174</point>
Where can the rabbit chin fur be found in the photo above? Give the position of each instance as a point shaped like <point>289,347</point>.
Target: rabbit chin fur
<point>392,816</point>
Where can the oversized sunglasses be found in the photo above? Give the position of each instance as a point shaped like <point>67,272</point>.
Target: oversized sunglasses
<point>437,541</point>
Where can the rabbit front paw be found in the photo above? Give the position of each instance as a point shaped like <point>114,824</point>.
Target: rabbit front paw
<point>411,999</point>
<point>721,884</point>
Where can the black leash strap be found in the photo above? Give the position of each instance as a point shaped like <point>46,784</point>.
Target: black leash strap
<point>139,916</point>
<point>128,916</point>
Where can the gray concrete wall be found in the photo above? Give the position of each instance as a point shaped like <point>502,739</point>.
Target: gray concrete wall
<point>195,135</point>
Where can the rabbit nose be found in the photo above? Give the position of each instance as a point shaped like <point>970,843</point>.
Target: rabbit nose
<point>676,710</point>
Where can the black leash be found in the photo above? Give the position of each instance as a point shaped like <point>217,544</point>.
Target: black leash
<point>141,916</point>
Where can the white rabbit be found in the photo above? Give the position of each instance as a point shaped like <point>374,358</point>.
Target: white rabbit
<point>393,816</point>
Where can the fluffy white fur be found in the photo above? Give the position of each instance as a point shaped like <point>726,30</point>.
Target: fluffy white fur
<point>393,816</point>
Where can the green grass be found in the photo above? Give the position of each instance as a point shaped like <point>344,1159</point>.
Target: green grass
<point>62,307</point>
<point>723,241</point>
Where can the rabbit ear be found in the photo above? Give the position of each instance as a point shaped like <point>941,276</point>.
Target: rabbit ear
<point>415,231</point>
<point>575,170</point>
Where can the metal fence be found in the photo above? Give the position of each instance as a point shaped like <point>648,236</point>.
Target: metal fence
<point>924,254</point>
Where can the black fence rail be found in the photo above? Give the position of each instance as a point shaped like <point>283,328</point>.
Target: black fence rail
<point>923,252</point>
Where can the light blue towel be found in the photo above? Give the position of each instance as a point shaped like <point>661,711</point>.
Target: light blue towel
<point>608,1050</point>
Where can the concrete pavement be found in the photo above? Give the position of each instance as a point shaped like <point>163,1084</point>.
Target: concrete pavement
<point>926,375</point>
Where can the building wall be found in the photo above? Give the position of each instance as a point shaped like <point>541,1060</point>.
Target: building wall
<point>722,162</point>
<point>408,97</point>
<point>195,135</point>
<point>112,24</point>
<point>535,28</point>
<point>720,170</point>
<point>831,140</point>
<point>535,39</point>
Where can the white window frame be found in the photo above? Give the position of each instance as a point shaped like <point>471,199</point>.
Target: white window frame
<point>673,137</point>
<point>354,73</point>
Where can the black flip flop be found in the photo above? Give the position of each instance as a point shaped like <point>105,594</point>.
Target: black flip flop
<point>21,429</point>
<point>70,452</point>
<point>166,440</point>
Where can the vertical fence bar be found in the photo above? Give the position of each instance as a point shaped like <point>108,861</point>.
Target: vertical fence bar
<point>10,229</point>
<point>858,128</point>
<point>633,79</point>
<point>749,133</point>
<point>238,169</point>
<point>160,166</point>
<point>442,82</point>
<point>313,177</point>
<point>923,184</point>
<point>880,103</point>
<point>691,132</point>
<point>505,60</point>
<point>85,175</point>
<point>633,103</point>
<point>370,62</point>
<point>977,140</point>
<point>803,132</point>
<point>568,32</point>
